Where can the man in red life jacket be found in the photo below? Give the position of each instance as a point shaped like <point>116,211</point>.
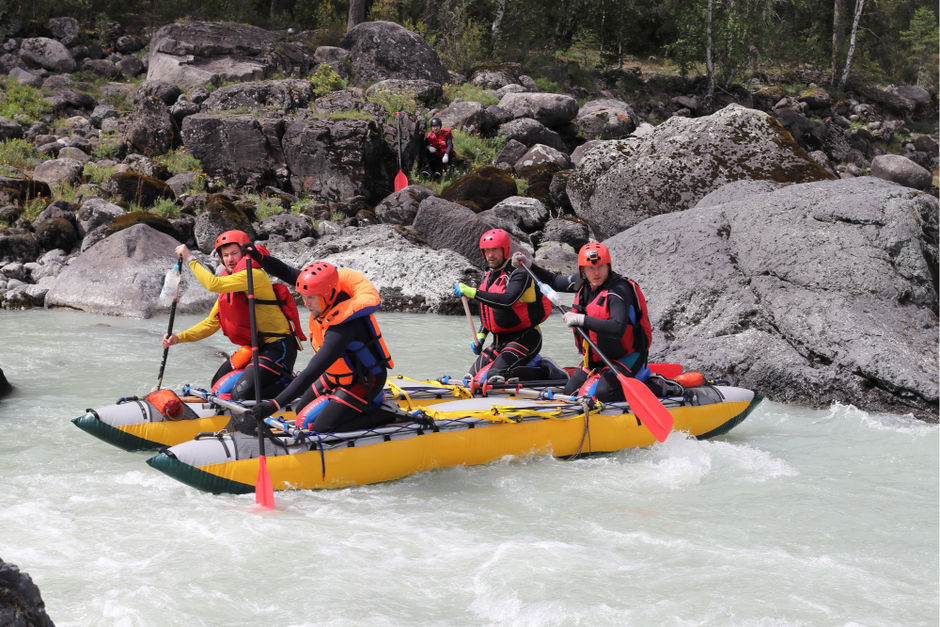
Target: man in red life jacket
<point>612,311</point>
<point>440,146</point>
<point>341,387</point>
<point>511,308</point>
<point>276,316</point>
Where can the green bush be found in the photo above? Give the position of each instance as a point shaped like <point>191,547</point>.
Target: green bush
<point>166,207</point>
<point>265,206</point>
<point>97,174</point>
<point>325,79</point>
<point>475,150</point>
<point>395,100</point>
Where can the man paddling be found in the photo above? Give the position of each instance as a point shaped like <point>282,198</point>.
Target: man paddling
<point>278,321</point>
<point>344,379</point>
<point>611,309</point>
<point>510,308</point>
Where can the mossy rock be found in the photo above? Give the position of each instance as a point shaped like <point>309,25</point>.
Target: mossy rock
<point>481,189</point>
<point>142,217</point>
<point>133,187</point>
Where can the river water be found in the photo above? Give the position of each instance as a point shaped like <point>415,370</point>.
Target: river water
<point>796,517</point>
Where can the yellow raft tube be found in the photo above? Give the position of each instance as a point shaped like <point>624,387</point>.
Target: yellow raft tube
<point>448,433</point>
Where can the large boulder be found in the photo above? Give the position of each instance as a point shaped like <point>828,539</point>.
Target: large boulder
<point>482,188</point>
<point>550,109</point>
<point>46,53</point>
<point>122,275</point>
<point>284,95</point>
<point>192,54</point>
<point>242,149</point>
<point>619,183</point>
<point>606,119</point>
<point>380,252</point>
<point>901,170</point>
<point>150,129</point>
<point>809,294</point>
<point>444,224</point>
<point>381,50</point>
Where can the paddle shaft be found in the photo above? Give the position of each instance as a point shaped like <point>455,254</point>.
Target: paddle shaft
<point>398,121</point>
<point>169,328</point>
<point>253,323</point>
<point>466,309</point>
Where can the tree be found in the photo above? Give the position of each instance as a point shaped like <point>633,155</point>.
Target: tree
<point>921,39</point>
<point>357,13</point>
<point>838,10</point>
<point>859,6</point>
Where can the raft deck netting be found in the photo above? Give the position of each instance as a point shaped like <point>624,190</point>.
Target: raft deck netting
<point>228,462</point>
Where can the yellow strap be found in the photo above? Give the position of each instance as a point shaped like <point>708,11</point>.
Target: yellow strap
<point>497,413</point>
<point>400,394</point>
<point>457,390</point>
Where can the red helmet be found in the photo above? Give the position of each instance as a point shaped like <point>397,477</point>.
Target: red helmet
<point>593,254</point>
<point>496,238</point>
<point>231,237</point>
<point>318,279</point>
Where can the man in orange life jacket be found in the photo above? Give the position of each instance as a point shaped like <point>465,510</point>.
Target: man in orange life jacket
<point>440,144</point>
<point>510,308</point>
<point>276,314</point>
<point>344,379</point>
<point>612,311</point>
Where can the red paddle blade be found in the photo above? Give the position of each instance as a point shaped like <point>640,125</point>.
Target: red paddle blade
<point>647,407</point>
<point>264,491</point>
<point>401,181</point>
<point>667,370</point>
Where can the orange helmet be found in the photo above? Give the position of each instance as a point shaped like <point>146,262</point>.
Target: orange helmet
<point>593,254</point>
<point>496,238</point>
<point>318,279</point>
<point>231,237</point>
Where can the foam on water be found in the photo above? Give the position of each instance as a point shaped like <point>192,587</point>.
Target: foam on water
<point>796,517</point>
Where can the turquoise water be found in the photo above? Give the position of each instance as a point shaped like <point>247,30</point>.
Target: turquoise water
<point>796,517</point>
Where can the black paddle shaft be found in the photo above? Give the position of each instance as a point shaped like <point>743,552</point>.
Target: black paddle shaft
<point>255,366</point>
<point>169,328</point>
<point>398,119</point>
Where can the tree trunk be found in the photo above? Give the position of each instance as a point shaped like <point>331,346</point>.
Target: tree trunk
<point>709,65</point>
<point>357,13</point>
<point>498,18</point>
<point>838,9</point>
<point>859,5</point>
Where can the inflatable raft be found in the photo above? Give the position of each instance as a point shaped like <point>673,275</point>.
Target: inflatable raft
<point>468,431</point>
<point>165,418</point>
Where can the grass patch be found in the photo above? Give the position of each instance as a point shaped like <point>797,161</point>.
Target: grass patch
<point>265,206</point>
<point>178,161</point>
<point>476,150</point>
<point>394,100</point>
<point>469,93</point>
<point>33,208</point>
<point>23,101</point>
<point>166,208</point>
<point>17,155</point>
<point>97,174</point>
<point>108,146</point>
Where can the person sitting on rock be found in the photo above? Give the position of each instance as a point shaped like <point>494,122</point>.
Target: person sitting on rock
<point>612,311</point>
<point>278,322</point>
<point>510,308</point>
<point>440,146</point>
<point>344,379</point>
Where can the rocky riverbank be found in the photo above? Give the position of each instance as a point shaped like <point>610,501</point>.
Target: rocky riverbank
<point>776,237</point>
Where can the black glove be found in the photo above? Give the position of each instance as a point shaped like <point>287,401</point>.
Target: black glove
<point>247,422</point>
<point>252,251</point>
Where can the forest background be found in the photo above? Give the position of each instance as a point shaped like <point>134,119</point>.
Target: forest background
<point>723,41</point>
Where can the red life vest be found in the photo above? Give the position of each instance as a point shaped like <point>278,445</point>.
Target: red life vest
<point>439,141</point>
<point>530,310</point>
<point>636,337</point>
<point>234,317</point>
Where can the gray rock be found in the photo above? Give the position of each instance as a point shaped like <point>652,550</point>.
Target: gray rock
<point>524,214</point>
<point>493,78</point>
<point>463,115</point>
<point>549,109</point>
<point>10,129</point>
<point>101,67</point>
<point>281,95</point>
<point>558,257</point>
<point>46,53</point>
<point>381,50</point>
<point>65,29</point>
<point>575,233</point>
<point>94,212</point>
<point>291,227</point>
<point>530,132</point>
<point>409,276</point>
<point>401,207</point>
<point>901,170</point>
<point>810,294</point>
<point>737,190</point>
<point>540,154</point>
<point>122,276</point>
<point>619,183</point>
<point>242,149</point>
<point>606,119</point>
<point>26,78</point>
<point>57,172</point>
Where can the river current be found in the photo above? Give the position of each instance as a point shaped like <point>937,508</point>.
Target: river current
<point>796,517</point>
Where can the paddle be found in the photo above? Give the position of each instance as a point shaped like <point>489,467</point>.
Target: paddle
<point>169,329</point>
<point>264,490</point>
<point>466,309</point>
<point>401,181</point>
<point>643,402</point>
